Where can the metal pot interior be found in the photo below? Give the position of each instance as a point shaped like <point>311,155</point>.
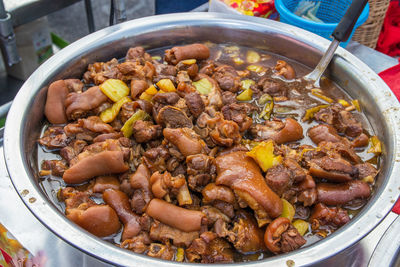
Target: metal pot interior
<point>26,115</point>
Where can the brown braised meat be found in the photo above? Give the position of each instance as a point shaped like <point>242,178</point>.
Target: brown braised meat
<point>138,244</point>
<point>156,158</point>
<point>162,232</point>
<point>74,85</point>
<point>145,131</point>
<point>73,149</point>
<point>334,169</point>
<point>366,171</point>
<point>54,109</point>
<point>190,67</point>
<point>102,183</point>
<point>244,235</point>
<point>194,103</point>
<point>97,159</point>
<point>193,51</point>
<point>165,183</point>
<point>280,132</point>
<point>216,131</point>
<point>137,54</point>
<point>281,236</point>
<point>87,129</point>
<point>278,178</point>
<point>186,140</point>
<point>129,108</point>
<point>239,114</point>
<point>164,71</point>
<point>54,138</point>
<point>272,87</point>
<point>228,98</point>
<point>100,220</point>
<point>206,158</point>
<point>243,176</point>
<point>323,215</point>
<point>78,105</point>
<point>128,71</point>
<point>201,171</point>
<point>119,201</point>
<point>227,77</point>
<point>341,119</point>
<point>285,69</point>
<point>323,132</point>
<point>140,183</point>
<point>161,251</point>
<point>99,72</point>
<point>210,249</point>
<point>56,167</point>
<point>340,194</point>
<point>173,117</point>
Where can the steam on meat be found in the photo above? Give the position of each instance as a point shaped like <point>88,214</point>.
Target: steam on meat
<point>190,168</point>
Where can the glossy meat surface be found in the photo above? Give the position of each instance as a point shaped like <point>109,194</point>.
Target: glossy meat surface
<point>205,153</point>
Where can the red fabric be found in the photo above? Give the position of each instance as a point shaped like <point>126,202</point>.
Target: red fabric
<point>6,257</point>
<point>396,208</point>
<point>389,39</point>
<point>392,78</point>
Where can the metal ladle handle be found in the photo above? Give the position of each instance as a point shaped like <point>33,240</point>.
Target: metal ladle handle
<point>341,33</point>
<point>343,30</point>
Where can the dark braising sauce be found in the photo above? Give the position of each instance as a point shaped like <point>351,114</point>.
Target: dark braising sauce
<point>317,180</point>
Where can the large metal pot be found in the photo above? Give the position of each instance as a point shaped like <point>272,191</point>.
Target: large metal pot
<point>26,114</point>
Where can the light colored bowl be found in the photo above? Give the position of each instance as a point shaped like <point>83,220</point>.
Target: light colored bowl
<point>26,116</point>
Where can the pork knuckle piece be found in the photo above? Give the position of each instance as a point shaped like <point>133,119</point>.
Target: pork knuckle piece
<point>100,220</point>
<point>119,201</point>
<point>193,51</point>
<point>242,174</point>
<point>106,162</point>
<point>79,104</point>
<point>54,109</point>
<point>183,219</point>
<point>280,132</point>
<point>187,141</point>
<point>340,194</point>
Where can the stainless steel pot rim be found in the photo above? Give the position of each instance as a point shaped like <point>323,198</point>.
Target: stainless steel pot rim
<point>387,252</point>
<point>37,203</point>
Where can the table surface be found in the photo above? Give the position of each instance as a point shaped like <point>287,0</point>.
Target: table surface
<point>36,237</point>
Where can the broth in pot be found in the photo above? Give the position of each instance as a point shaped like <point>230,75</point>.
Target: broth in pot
<point>210,153</point>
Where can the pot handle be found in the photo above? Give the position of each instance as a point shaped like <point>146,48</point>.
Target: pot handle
<point>346,24</point>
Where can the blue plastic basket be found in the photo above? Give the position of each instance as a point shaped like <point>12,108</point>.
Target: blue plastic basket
<point>330,11</point>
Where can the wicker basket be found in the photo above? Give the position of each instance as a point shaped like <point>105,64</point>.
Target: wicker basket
<point>368,33</point>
